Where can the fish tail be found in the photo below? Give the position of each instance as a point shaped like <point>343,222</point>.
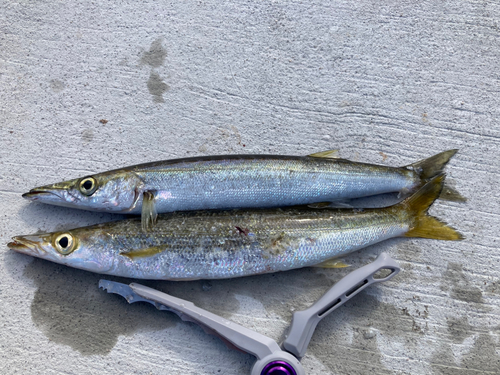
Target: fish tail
<point>424,225</point>
<point>433,166</point>
<point>451,194</point>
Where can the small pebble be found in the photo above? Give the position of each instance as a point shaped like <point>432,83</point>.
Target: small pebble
<point>369,334</point>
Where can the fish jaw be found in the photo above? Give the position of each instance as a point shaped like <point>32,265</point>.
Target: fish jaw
<point>29,245</point>
<point>36,245</point>
<point>83,257</point>
<point>60,194</point>
<point>115,192</point>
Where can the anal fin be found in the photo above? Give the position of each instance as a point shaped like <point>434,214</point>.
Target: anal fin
<point>148,214</point>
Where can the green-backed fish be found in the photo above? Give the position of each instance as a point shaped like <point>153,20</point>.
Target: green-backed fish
<point>224,244</point>
<point>237,181</point>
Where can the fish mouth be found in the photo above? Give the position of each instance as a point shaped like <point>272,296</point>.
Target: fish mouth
<point>42,193</point>
<point>26,245</point>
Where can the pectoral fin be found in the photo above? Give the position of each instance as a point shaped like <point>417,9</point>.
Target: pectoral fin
<point>329,154</point>
<point>148,214</point>
<point>332,263</point>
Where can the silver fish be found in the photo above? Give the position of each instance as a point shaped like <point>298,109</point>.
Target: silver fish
<point>238,181</point>
<point>225,244</point>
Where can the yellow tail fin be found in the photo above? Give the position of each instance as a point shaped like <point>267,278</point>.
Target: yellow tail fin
<point>426,226</point>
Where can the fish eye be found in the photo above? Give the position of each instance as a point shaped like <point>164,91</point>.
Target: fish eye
<point>88,185</point>
<point>65,243</point>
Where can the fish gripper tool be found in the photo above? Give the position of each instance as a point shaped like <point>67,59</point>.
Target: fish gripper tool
<point>271,358</point>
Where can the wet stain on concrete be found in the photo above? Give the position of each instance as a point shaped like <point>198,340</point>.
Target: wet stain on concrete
<point>278,292</point>
<point>282,293</point>
<point>409,251</point>
<point>481,359</point>
<point>366,317</point>
<point>443,361</point>
<point>493,288</point>
<point>57,85</point>
<point>229,138</point>
<point>459,287</point>
<point>87,135</point>
<point>157,87</point>
<point>69,309</point>
<point>459,329</point>
<point>407,276</point>
<point>156,55</point>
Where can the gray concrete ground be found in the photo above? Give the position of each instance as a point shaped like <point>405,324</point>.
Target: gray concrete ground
<point>91,86</point>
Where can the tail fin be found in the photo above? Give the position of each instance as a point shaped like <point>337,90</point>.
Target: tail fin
<point>433,166</point>
<point>451,194</point>
<point>423,225</point>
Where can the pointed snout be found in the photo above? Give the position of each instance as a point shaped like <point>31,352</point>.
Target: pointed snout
<point>43,193</point>
<point>29,245</point>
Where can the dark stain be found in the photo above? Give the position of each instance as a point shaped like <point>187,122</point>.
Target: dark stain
<point>459,329</point>
<point>409,251</point>
<point>481,359</point>
<point>281,293</point>
<point>69,309</point>
<point>493,288</point>
<point>155,57</point>
<point>87,135</point>
<point>243,231</point>
<point>156,87</point>
<point>361,356</point>
<point>103,121</point>
<point>57,85</point>
<point>367,317</point>
<point>407,276</point>
<point>459,287</point>
<point>443,361</point>
<point>468,294</point>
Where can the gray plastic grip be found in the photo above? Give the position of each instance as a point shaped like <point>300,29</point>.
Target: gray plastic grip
<point>304,322</point>
<point>243,338</point>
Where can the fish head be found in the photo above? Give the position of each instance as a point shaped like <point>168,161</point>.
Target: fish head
<point>78,248</point>
<point>115,191</point>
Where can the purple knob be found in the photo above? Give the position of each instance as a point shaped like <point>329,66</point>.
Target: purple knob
<point>278,368</point>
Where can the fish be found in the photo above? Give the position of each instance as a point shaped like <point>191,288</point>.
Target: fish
<point>237,181</point>
<point>225,244</point>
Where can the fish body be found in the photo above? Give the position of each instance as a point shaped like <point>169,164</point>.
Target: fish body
<point>225,244</point>
<point>238,181</point>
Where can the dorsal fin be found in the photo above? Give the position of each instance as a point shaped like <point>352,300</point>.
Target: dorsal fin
<point>329,154</point>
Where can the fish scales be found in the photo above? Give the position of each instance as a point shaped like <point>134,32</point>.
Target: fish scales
<point>227,244</point>
<point>265,182</point>
<point>224,244</point>
<point>303,240</point>
<point>235,181</point>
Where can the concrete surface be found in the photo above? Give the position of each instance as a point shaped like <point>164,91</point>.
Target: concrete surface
<point>90,86</point>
